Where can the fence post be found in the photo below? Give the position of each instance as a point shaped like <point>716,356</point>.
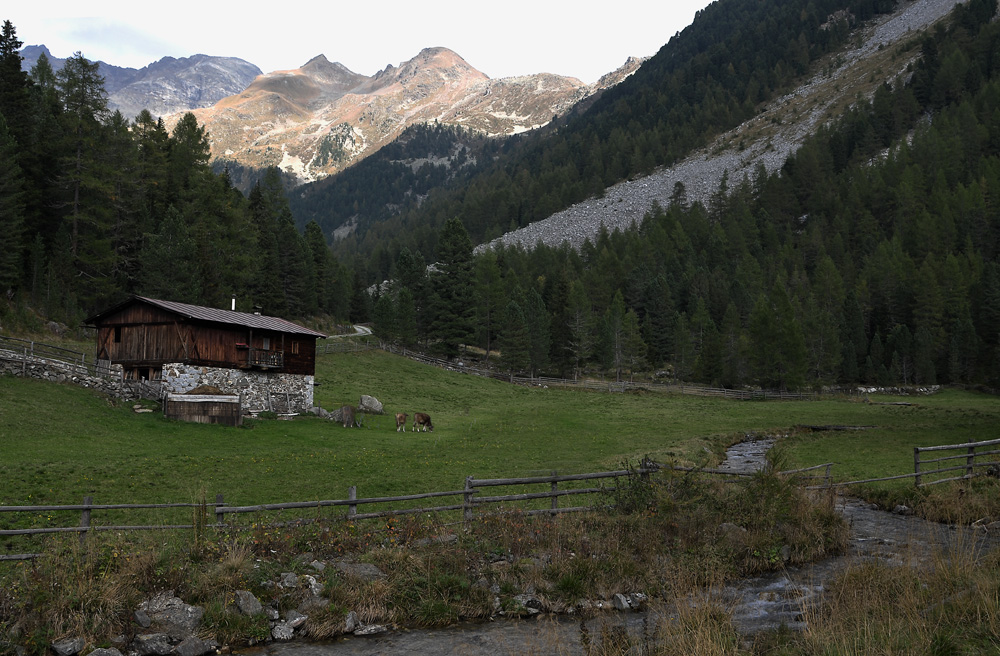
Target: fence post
<point>555,499</point>
<point>916,466</point>
<point>85,518</point>
<point>218,512</point>
<point>970,461</point>
<point>467,499</point>
<point>352,495</point>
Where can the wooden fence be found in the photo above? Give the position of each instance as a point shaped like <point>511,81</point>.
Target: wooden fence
<point>468,500</point>
<point>598,385</point>
<point>26,350</point>
<point>970,451</point>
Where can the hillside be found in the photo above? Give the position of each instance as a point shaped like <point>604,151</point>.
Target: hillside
<point>879,52</point>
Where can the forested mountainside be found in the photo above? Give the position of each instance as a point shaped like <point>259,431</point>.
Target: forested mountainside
<point>708,78</point>
<point>871,256</point>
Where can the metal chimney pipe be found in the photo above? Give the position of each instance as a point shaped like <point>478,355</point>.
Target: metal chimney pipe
<point>234,302</point>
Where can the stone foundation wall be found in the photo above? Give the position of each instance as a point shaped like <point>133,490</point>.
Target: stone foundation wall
<point>259,390</point>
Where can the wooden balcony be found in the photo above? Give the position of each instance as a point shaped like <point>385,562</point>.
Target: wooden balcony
<point>265,359</point>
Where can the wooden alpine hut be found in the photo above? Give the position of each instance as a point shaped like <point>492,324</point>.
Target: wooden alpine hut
<point>187,346</point>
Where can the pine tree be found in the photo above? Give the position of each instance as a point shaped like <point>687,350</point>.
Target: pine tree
<point>634,346</point>
<point>580,323</point>
<point>536,317</point>
<point>514,340</point>
<point>489,299</point>
<point>11,213</point>
<point>451,286</point>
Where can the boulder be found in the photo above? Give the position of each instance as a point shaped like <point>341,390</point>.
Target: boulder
<point>295,619</point>
<point>152,644</point>
<point>194,646</point>
<point>282,631</point>
<point>370,405</point>
<point>172,616</point>
<point>247,603</point>
<point>105,651</point>
<point>69,646</point>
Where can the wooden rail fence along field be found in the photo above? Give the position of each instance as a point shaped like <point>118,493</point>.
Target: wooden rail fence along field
<point>470,499</point>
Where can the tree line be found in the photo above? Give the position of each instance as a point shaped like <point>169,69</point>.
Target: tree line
<point>95,206</point>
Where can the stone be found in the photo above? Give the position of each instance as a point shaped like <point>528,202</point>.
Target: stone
<point>152,644</point>
<point>364,571</point>
<point>318,565</point>
<point>69,647</point>
<point>370,405</point>
<point>620,602</point>
<point>351,622</point>
<point>171,615</point>
<point>105,651</point>
<point>247,603</point>
<point>142,619</point>
<point>295,619</point>
<point>272,613</point>
<point>529,604</point>
<point>315,587</point>
<point>370,629</point>
<point>193,646</point>
<point>282,631</point>
<point>637,600</point>
<point>289,580</point>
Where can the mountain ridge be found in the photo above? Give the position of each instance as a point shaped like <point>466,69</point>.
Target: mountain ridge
<point>320,118</point>
<point>165,86</point>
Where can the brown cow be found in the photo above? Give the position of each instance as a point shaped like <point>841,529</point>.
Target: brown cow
<point>401,421</point>
<point>422,420</point>
<point>347,416</point>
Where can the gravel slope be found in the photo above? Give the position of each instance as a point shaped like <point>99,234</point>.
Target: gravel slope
<point>626,203</point>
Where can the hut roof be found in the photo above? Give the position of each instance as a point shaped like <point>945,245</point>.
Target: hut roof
<point>215,315</point>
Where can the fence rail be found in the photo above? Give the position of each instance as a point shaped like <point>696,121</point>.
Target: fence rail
<point>74,362</point>
<point>598,385</point>
<point>969,457</point>
<point>467,502</point>
<point>470,498</point>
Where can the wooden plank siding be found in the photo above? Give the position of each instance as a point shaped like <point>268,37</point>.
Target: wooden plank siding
<point>141,336</point>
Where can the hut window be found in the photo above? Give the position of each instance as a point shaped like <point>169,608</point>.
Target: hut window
<point>295,348</point>
<point>118,334</point>
<point>266,343</point>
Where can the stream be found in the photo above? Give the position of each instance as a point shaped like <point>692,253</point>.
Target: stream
<point>758,603</point>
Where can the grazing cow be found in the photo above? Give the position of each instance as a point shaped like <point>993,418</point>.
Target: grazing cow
<point>422,420</point>
<point>401,421</point>
<point>347,416</point>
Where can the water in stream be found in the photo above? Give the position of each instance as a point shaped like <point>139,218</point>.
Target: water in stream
<point>756,604</point>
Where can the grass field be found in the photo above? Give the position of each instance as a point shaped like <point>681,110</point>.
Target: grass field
<point>60,443</point>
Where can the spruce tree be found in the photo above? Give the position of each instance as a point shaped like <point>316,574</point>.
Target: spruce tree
<point>11,213</point>
<point>452,284</point>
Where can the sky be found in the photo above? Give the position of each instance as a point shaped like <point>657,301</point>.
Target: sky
<point>501,39</point>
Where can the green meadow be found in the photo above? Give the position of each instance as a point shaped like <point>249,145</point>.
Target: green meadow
<point>60,443</point>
